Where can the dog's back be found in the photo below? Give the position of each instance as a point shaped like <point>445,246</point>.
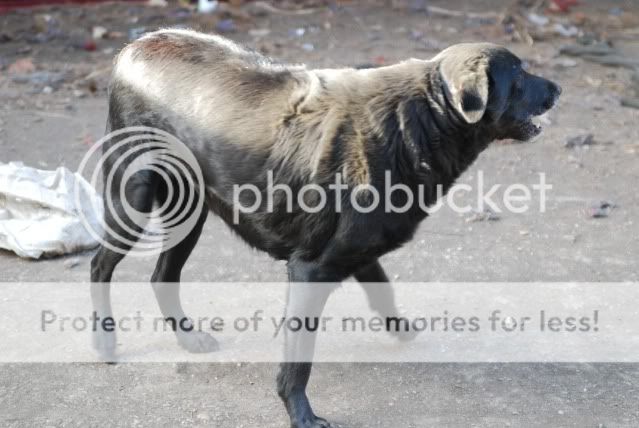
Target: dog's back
<point>203,84</point>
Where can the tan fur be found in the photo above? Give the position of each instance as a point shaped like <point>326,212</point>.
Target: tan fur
<point>293,113</point>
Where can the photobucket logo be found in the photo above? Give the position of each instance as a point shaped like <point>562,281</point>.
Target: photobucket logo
<point>139,166</point>
<point>516,197</point>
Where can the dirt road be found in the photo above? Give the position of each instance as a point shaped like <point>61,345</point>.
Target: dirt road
<point>564,243</point>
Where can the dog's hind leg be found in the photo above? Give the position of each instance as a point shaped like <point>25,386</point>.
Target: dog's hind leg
<point>166,286</point>
<point>139,191</point>
<point>381,296</point>
<point>305,301</point>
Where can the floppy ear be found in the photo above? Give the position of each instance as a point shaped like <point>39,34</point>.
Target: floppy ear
<point>466,84</point>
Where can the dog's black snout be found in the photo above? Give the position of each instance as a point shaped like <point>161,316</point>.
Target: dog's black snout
<point>554,89</point>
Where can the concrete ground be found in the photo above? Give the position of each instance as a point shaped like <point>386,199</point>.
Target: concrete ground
<point>562,244</point>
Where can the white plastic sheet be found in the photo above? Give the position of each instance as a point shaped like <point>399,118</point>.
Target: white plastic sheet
<point>38,213</point>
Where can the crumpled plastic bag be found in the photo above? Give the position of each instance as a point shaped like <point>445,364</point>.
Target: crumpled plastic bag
<point>38,213</point>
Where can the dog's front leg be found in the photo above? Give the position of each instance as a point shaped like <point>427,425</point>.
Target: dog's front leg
<point>381,296</point>
<point>309,288</point>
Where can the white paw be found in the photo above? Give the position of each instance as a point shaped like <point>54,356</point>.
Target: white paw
<point>197,342</point>
<point>104,343</point>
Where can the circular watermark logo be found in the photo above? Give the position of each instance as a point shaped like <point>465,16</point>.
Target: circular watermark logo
<point>153,191</point>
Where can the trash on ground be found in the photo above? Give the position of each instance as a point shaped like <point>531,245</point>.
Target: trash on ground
<point>41,79</point>
<point>259,32</point>
<point>225,26</point>
<point>38,213</point>
<point>630,102</point>
<point>71,263</point>
<point>562,6</point>
<point>602,209</point>
<point>566,30</point>
<point>21,66</point>
<point>99,32</point>
<point>601,53</point>
<point>563,63</point>
<point>580,141</point>
<point>136,32</point>
<point>485,215</point>
<point>207,6</point>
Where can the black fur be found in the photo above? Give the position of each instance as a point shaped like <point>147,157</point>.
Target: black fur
<point>412,129</point>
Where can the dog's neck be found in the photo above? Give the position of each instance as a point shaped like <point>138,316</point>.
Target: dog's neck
<point>420,128</point>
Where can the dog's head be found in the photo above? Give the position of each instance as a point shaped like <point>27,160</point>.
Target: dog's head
<point>487,85</point>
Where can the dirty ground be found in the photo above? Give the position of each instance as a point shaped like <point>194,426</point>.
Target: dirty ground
<point>55,63</point>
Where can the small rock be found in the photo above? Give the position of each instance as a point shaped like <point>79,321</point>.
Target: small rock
<point>225,26</point>
<point>297,32</point>
<point>563,63</point>
<point>308,47</point>
<point>538,20</point>
<point>566,31</point>
<point>418,6</point>
<point>99,32</point>
<point>580,141</point>
<point>486,215</point>
<point>207,6</point>
<point>136,33</point>
<point>22,66</point>
<point>259,32</point>
<point>89,45</point>
<point>71,263</point>
<point>601,210</point>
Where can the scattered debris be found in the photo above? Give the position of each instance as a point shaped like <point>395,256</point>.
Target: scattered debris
<point>71,262</point>
<point>259,32</point>
<point>566,31</point>
<point>562,6</point>
<point>490,16</point>
<point>259,8</point>
<point>99,32</point>
<point>580,141</point>
<point>538,20</point>
<point>485,215</point>
<point>563,63</point>
<point>207,6</point>
<point>136,32</point>
<point>21,66</point>
<point>89,45</point>
<point>41,79</point>
<point>39,215</point>
<point>297,32</point>
<point>602,209</point>
<point>632,101</point>
<point>225,26</point>
<point>601,53</point>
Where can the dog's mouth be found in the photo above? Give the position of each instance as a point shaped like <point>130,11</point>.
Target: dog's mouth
<point>533,126</point>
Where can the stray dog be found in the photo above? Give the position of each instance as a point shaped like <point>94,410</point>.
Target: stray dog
<point>242,115</point>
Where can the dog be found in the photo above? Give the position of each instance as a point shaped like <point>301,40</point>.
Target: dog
<point>418,123</point>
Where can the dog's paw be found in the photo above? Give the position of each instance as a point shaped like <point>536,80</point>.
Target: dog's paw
<point>197,342</point>
<point>405,336</point>
<point>104,343</point>
<point>314,422</point>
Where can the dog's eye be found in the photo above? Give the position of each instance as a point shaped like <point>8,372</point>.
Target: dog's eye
<point>518,83</point>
